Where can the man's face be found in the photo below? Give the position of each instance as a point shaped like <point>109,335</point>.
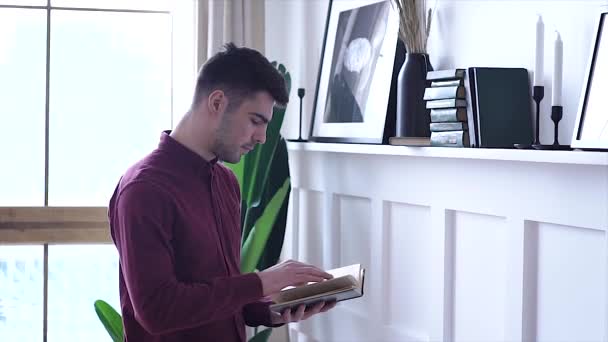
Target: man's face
<point>244,127</point>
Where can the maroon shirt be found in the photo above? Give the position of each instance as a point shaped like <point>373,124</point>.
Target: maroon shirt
<point>175,220</point>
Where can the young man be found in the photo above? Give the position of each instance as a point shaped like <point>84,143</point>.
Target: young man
<point>175,216</point>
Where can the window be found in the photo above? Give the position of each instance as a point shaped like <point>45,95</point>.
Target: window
<point>78,112</point>
<point>86,87</point>
<point>78,276</point>
<point>22,105</point>
<point>110,97</point>
<point>21,296</point>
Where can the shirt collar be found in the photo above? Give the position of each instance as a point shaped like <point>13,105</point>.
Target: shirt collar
<point>184,156</point>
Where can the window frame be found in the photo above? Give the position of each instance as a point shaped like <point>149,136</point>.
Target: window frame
<point>46,225</point>
<point>53,225</point>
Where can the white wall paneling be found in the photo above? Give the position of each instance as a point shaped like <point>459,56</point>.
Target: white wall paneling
<point>459,245</point>
<point>480,277</point>
<point>570,297</point>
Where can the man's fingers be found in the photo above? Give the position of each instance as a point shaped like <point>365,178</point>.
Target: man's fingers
<point>276,317</point>
<point>290,273</point>
<point>299,313</point>
<point>313,274</point>
<point>287,315</point>
<point>320,272</point>
<point>303,312</point>
<point>307,278</point>
<point>314,310</point>
<point>328,306</point>
<point>313,271</point>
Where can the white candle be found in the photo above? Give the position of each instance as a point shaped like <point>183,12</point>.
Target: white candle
<point>557,71</point>
<point>540,48</point>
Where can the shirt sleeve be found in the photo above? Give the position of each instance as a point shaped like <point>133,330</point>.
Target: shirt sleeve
<point>258,313</point>
<point>143,229</point>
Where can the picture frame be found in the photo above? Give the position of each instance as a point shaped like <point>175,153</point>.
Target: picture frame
<point>591,125</point>
<point>356,78</point>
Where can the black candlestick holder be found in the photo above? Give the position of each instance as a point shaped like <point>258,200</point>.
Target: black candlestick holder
<point>301,93</point>
<point>538,94</point>
<point>556,116</point>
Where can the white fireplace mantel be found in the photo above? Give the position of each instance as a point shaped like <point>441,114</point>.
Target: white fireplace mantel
<point>539,156</point>
<point>459,244</point>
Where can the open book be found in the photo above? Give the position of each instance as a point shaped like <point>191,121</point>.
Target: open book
<point>347,283</point>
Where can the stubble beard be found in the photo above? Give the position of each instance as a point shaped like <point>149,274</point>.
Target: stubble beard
<point>222,148</point>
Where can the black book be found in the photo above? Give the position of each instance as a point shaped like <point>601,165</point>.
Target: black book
<point>501,107</point>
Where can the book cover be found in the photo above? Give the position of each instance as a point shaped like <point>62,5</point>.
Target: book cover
<point>450,139</point>
<point>449,114</point>
<point>501,107</point>
<point>438,93</point>
<point>448,83</point>
<point>446,103</point>
<point>448,126</point>
<point>410,141</point>
<point>472,108</point>
<point>347,283</point>
<point>437,75</point>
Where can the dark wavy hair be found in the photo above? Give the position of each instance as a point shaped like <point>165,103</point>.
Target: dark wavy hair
<point>239,72</point>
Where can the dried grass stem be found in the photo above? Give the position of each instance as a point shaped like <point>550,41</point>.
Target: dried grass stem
<point>414,24</point>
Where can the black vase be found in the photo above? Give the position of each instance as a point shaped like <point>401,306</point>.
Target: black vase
<point>413,119</point>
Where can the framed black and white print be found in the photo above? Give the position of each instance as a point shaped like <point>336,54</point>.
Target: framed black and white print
<point>355,72</point>
<point>591,125</point>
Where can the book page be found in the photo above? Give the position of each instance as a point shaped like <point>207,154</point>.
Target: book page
<point>352,270</point>
<point>345,278</point>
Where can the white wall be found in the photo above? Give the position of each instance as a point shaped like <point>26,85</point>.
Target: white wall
<point>296,42</point>
<point>465,33</point>
<point>513,250</point>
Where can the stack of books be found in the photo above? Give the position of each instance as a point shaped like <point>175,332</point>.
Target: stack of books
<point>446,98</point>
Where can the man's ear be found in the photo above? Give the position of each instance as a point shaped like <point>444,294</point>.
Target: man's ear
<point>217,102</point>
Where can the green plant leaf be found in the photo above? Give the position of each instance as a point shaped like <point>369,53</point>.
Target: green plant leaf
<point>279,171</point>
<point>256,241</point>
<point>110,319</point>
<point>274,245</point>
<point>262,336</point>
<point>253,167</point>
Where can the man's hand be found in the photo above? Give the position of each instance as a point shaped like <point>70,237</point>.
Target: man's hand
<point>290,273</point>
<point>301,313</point>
